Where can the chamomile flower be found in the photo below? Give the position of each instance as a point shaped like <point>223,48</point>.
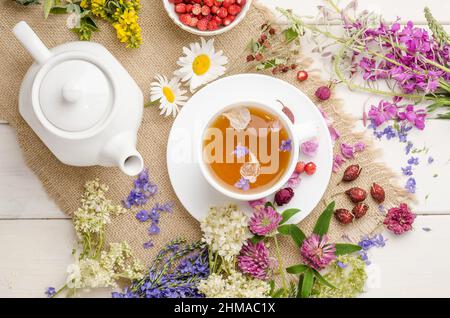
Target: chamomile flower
<point>201,64</point>
<point>169,94</point>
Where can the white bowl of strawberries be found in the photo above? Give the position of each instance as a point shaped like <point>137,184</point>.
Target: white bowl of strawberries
<point>207,17</point>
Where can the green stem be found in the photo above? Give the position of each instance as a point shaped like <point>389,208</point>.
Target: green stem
<point>59,291</point>
<point>280,265</point>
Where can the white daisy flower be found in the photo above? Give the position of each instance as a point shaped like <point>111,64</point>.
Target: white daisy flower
<point>201,64</point>
<point>169,94</point>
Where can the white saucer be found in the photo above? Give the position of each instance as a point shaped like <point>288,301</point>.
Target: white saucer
<point>191,187</point>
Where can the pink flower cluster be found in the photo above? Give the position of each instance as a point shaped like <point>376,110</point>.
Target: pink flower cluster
<point>255,261</point>
<point>399,219</point>
<point>317,252</point>
<point>408,53</point>
<point>386,111</point>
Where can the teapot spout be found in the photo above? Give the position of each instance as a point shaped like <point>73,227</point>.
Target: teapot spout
<point>121,151</point>
<point>31,42</point>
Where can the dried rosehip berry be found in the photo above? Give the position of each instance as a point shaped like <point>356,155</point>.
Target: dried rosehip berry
<point>310,168</point>
<point>377,193</point>
<point>250,58</point>
<point>300,167</point>
<point>343,216</point>
<point>323,93</point>
<point>356,194</point>
<point>360,210</point>
<point>351,173</point>
<point>302,76</point>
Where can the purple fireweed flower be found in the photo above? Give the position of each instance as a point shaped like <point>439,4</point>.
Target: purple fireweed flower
<point>309,148</point>
<point>286,145</point>
<point>50,292</point>
<point>359,146</point>
<point>415,117</point>
<point>407,171</point>
<point>411,185</point>
<point>382,113</point>
<point>347,151</point>
<point>334,133</point>
<point>264,221</point>
<point>317,252</point>
<point>399,219</point>
<point>338,161</point>
<point>240,151</point>
<point>258,204</point>
<point>142,216</point>
<point>294,180</point>
<point>242,184</point>
<point>254,260</point>
<point>413,161</point>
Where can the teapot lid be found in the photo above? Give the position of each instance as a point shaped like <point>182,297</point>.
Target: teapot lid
<point>75,95</point>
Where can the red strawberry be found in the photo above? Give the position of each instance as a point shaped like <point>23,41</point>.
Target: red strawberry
<point>202,24</point>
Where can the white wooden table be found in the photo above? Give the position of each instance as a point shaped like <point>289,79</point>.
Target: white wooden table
<point>36,238</point>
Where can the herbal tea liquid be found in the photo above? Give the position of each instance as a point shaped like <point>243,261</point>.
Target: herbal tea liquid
<point>227,150</point>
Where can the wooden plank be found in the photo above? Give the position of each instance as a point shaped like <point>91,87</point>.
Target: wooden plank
<point>413,265</point>
<point>36,253</point>
<point>405,9</point>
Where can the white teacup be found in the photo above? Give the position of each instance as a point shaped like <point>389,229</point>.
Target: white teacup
<point>298,133</point>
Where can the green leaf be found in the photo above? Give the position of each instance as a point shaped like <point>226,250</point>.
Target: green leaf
<point>297,269</point>
<point>290,35</point>
<point>322,279</point>
<point>293,231</point>
<point>444,116</point>
<point>287,214</point>
<point>58,10</point>
<point>307,284</point>
<point>256,238</point>
<point>343,248</point>
<point>48,5</point>
<point>278,293</point>
<point>323,223</point>
<point>269,204</point>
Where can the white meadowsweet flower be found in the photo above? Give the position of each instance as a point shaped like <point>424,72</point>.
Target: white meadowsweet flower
<point>235,285</point>
<point>169,94</point>
<point>225,230</point>
<point>201,64</point>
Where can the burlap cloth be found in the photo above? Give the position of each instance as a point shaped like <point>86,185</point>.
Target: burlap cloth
<point>162,45</point>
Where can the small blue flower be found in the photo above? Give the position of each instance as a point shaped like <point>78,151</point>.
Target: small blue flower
<point>389,132</point>
<point>154,229</point>
<point>407,171</point>
<point>142,216</point>
<point>148,244</point>
<point>242,184</point>
<point>413,161</point>
<point>408,147</point>
<point>381,208</point>
<point>286,145</point>
<point>341,265</point>
<point>154,215</point>
<point>50,292</point>
<point>430,160</point>
<point>411,185</point>
<point>240,151</point>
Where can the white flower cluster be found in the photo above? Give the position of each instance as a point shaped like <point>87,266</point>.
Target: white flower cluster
<point>235,285</point>
<point>225,230</point>
<point>95,210</point>
<point>117,262</point>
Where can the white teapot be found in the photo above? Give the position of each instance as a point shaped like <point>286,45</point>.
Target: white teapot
<point>82,103</point>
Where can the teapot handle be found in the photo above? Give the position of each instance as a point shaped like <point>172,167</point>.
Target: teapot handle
<point>31,42</point>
